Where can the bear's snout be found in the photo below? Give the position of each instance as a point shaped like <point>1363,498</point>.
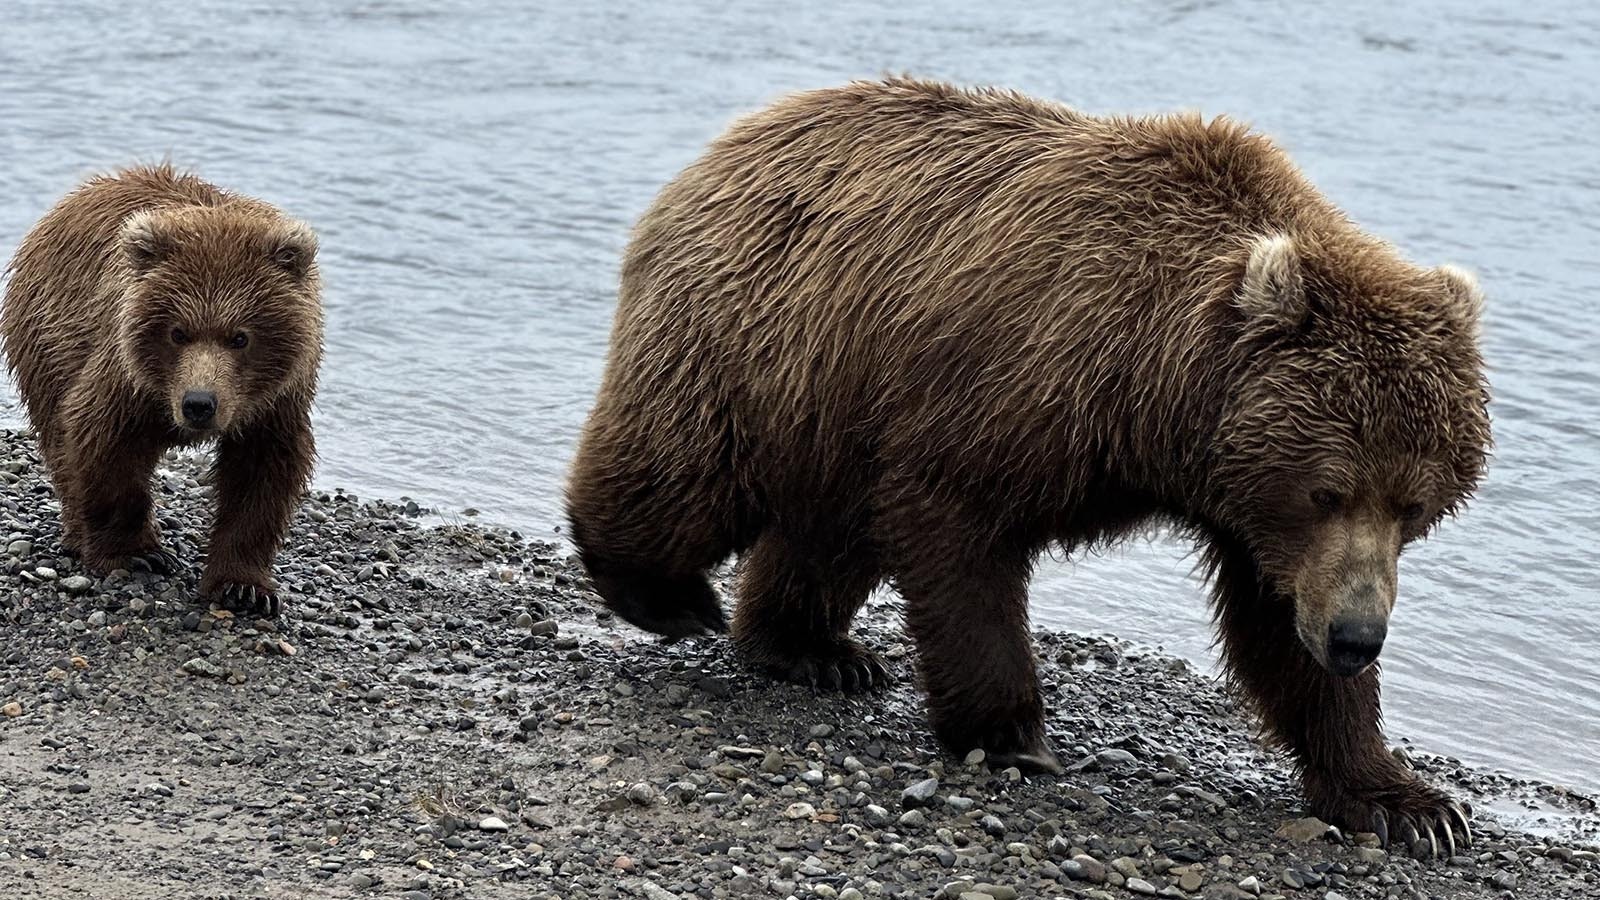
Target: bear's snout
<point>199,408</point>
<point>1354,643</point>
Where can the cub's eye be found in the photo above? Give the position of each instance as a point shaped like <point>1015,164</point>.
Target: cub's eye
<point>1326,500</point>
<point>1412,512</point>
<point>179,336</point>
<point>238,341</point>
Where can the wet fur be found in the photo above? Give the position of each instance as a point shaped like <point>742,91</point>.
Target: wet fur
<point>903,331</point>
<point>94,293</point>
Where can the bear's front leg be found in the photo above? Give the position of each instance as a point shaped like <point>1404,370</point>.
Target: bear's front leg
<point>260,473</point>
<point>1330,723</point>
<point>103,479</point>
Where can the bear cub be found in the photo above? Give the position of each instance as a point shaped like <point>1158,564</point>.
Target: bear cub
<point>150,310</point>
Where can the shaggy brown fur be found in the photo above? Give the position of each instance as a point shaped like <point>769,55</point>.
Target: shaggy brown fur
<point>150,309</point>
<point>904,331</point>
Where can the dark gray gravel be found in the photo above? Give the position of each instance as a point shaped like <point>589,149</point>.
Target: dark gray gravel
<point>443,712</point>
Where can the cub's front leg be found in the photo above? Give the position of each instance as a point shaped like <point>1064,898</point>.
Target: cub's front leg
<point>261,472</point>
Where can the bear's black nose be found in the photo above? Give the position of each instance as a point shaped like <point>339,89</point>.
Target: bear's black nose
<point>199,407</point>
<point>1354,643</point>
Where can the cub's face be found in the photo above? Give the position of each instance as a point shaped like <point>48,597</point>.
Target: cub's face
<point>223,312</point>
<point>1362,424</point>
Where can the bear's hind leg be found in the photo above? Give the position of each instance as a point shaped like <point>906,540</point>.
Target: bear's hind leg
<point>1328,722</point>
<point>647,539</point>
<point>796,600</point>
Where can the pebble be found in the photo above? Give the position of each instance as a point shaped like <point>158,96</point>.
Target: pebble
<point>1086,868</point>
<point>493,823</point>
<point>11,710</point>
<point>1303,831</point>
<point>1140,886</point>
<point>77,584</point>
<point>204,667</point>
<point>919,793</point>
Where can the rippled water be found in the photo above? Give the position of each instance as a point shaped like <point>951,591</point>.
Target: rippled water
<point>473,168</point>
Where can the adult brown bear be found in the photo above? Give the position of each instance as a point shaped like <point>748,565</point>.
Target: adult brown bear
<point>899,330</point>
<point>150,309</point>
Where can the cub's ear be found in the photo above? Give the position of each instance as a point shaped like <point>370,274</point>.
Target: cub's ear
<point>294,248</point>
<point>146,241</point>
<point>1273,290</point>
<point>1462,286</point>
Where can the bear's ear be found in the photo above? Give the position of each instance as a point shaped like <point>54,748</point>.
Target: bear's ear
<point>1462,286</point>
<point>294,248</point>
<point>1273,290</point>
<point>145,241</point>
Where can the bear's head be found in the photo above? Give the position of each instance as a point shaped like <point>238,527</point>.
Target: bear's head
<point>222,311</point>
<point>1361,421</point>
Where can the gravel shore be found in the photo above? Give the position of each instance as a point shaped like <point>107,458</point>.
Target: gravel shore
<point>443,711</point>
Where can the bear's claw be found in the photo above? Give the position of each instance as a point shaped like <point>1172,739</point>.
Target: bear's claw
<point>157,562</point>
<point>849,668</point>
<point>1423,833</point>
<point>249,599</point>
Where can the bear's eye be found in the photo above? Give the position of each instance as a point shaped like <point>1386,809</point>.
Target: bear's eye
<point>1412,512</point>
<point>179,336</point>
<point>238,341</point>
<point>1326,500</point>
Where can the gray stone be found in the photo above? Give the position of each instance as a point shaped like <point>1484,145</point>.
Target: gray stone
<point>920,793</point>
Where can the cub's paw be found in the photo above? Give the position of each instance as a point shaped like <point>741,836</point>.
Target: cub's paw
<point>844,666</point>
<point>1420,818</point>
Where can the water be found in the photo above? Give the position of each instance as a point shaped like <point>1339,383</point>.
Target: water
<point>473,168</point>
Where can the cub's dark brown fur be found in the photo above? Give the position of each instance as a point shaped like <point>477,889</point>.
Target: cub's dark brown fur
<point>150,309</point>
<point>902,331</point>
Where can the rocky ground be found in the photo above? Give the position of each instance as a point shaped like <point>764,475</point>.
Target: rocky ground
<point>444,712</point>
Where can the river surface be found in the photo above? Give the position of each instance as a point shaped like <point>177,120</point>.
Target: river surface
<point>473,168</point>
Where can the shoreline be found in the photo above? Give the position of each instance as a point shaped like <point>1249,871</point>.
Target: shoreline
<point>443,711</point>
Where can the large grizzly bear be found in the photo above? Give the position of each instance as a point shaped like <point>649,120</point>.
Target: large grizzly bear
<point>151,309</point>
<point>900,330</point>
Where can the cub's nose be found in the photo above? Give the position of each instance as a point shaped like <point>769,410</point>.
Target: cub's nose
<point>1354,643</point>
<point>199,407</point>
